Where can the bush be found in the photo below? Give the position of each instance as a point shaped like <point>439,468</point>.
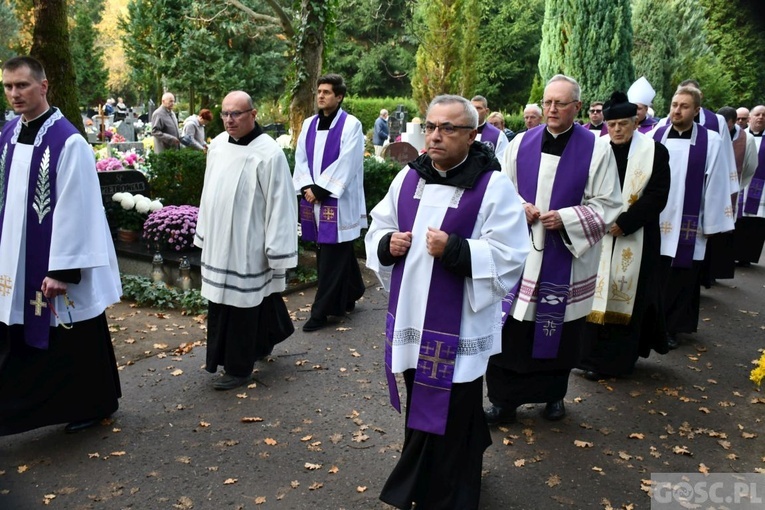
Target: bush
<point>176,177</point>
<point>146,292</point>
<point>368,109</point>
<point>515,122</point>
<point>377,178</point>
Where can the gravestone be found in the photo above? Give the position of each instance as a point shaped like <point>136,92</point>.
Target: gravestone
<point>396,123</point>
<point>400,152</point>
<point>113,148</point>
<point>150,110</point>
<point>120,181</point>
<point>127,128</point>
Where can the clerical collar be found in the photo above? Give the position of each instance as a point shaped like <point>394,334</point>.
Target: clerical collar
<point>685,135</point>
<point>593,126</point>
<point>444,173</point>
<point>622,146</point>
<point>249,137</point>
<point>480,128</point>
<point>325,121</point>
<point>555,144</point>
<point>755,134</point>
<point>30,128</point>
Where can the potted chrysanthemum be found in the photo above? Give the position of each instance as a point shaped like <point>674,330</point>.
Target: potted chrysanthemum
<point>171,228</point>
<point>129,213</point>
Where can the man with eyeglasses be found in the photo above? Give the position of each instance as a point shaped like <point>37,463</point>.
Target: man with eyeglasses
<point>488,134</point>
<point>569,185</point>
<point>58,268</point>
<point>164,125</point>
<point>596,124</point>
<point>329,176</point>
<point>448,240</point>
<point>742,117</point>
<point>247,231</point>
<point>627,319</point>
<point>750,225</point>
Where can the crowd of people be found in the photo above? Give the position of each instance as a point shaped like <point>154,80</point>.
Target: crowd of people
<point>518,257</point>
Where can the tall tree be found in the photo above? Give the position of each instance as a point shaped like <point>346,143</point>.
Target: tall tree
<point>88,56</point>
<point>446,52</point>
<point>51,46</point>
<point>590,40</point>
<point>9,27</point>
<point>508,51</point>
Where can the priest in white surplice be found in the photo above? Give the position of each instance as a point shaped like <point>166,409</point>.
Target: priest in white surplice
<point>329,176</point>
<point>488,134</point>
<point>448,241</point>
<point>247,229</point>
<point>698,206</point>
<point>569,184</point>
<point>58,268</point>
<point>750,225</point>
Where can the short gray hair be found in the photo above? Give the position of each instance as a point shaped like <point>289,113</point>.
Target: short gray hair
<point>576,92</point>
<point>471,114</point>
<point>535,107</point>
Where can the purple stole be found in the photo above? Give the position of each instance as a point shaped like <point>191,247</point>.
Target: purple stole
<point>490,136</point>
<point>648,124</point>
<point>711,121</point>
<point>603,128</point>
<point>41,202</point>
<point>567,191</point>
<point>754,190</point>
<point>441,329</point>
<point>694,188</point>
<point>326,233</point>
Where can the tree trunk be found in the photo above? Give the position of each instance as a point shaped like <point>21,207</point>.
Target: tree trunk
<point>308,61</point>
<point>50,45</point>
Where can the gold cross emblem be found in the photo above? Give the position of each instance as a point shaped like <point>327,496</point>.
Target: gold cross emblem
<point>38,303</point>
<point>665,227</point>
<point>6,285</point>
<point>437,358</point>
<point>328,213</point>
<point>689,229</point>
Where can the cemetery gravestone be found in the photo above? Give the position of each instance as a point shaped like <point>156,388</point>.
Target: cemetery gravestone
<point>400,152</point>
<point>120,181</point>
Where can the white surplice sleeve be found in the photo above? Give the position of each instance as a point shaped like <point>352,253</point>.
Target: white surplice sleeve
<point>281,212</point>
<point>341,174</point>
<point>302,176</point>
<point>716,210</point>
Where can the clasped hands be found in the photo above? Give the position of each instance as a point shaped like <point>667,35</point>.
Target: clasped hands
<point>551,220</point>
<point>435,241</point>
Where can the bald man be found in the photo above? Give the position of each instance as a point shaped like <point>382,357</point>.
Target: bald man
<point>742,117</point>
<point>164,125</point>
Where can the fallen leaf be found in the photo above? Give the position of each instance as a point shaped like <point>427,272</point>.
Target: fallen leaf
<point>520,462</point>
<point>636,435</point>
<point>241,395</point>
<point>269,441</point>
<point>703,469</point>
<point>312,467</point>
<point>251,419</point>
<point>117,454</point>
<point>294,484</point>
<point>183,460</point>
<point>704,410</point>
<point>333,470</point>
<point>681,450</point>
<point>93,455</point>
<point>160,346</point>
<point>361,488</point>
<point>230,481</point>
<point>204,424</point>
<point>184,503</point>
<point>553,480</point>
<point>260,500</point>
<point>306,438</point>
<point>748,435</point>
<point>22,469</point>
<point>625,456</point>
<point>176,372</point>
<point>315,485</point>
<point>583,444</point>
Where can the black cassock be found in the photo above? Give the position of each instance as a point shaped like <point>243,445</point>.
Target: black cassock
<point>613,349</point>
<point>75,379</point>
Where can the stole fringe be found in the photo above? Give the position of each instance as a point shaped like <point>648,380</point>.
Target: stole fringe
<point>597,317</point>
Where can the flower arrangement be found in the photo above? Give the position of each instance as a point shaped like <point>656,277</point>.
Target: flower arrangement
<point>172,227</point>
<point>108,165</point>
<point>117,138</point>
<point>758,373</point>
<point>132,210</point>
<point>128,160</point>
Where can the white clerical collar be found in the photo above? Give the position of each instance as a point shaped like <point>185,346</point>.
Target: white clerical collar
<point>27,121</point>
<point>556,136</point>
<point>443,173</point>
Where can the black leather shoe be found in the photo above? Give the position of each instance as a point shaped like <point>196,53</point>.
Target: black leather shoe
<point>591,375</point>
<point>554,411</point>
<point>672,342</point>
<point>350,307</point>
<point>229,382</point>
<point>77,426</point>
<point>314,324</point>
<point>496,415</point>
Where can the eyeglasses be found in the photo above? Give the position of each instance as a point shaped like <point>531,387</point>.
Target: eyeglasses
<point>592,110</point>
<point>445,128</point>
<point>556,104</point>
<point>235,114</point>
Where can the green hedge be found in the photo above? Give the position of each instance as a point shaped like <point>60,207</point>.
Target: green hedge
<point>368,109</point>
<point>176,177</point>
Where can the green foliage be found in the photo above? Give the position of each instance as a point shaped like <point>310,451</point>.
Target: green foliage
<point>368,109</point>
<point>176,177</point>
<point>377,178</point>
<point>590,40</point>
<point>9,27</point>
<point>372,50</point>
<point>512,29</point>
<point>537,91</point>
<point>146,292</point>
<point>514,122</point>
<point>88,56</point>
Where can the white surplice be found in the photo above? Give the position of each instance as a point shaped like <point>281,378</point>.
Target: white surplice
<point>502,143</point>
<point>498,247</point>
<point>585,225</point>
<point>80,237</point>
<point>247,226</point>
<point>716,212</point>
<point>344,178</point>
<point>761,209</point>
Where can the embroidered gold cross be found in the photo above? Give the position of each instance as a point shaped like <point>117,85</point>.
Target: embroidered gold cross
<point>666,227</point>
<point>688,229</point>
<point>437,359</point>
<point>6,284</point>
<point>329,214</point>
<point>38,303</point>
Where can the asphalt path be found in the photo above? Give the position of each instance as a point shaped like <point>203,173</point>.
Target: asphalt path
<point>315,429</point>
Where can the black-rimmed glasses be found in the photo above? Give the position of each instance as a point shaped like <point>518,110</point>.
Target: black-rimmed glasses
<point>446,128</point>
<point>235,114</point>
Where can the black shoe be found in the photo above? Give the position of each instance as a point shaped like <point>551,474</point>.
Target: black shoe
<point>229,382</point>
<point>554,411</point>
<point>314,324</point>
<point>350,307</point>
<point>77,426</point>
<point>496,415</point>
<point>672,342</point>
<point>591,375</point>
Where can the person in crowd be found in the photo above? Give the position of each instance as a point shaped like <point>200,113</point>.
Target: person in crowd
<point>532,115</point>
<point>642,93</point>
<point>627,319</point>
<point>569,185</point>
<point>194,129</point>
<point>742,117</point>
<point>329,176</point>
<point>57,364</point>
<point>497,120</point>
<point>450,225</point>
<point>487,133</point>
<point>596,124</point>
<point>380,135</point>
<point>164,125</point>
<point>247,232</point>
<point>750,225</point>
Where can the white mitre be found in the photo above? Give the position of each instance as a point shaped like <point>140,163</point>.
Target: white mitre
<point>641,92</point>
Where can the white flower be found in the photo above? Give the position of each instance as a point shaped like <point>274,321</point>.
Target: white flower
<point>156,205</point>
<point>117,197</point>
<point>127,202</point>
<point>138,196</point>
<point>143,205</point>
